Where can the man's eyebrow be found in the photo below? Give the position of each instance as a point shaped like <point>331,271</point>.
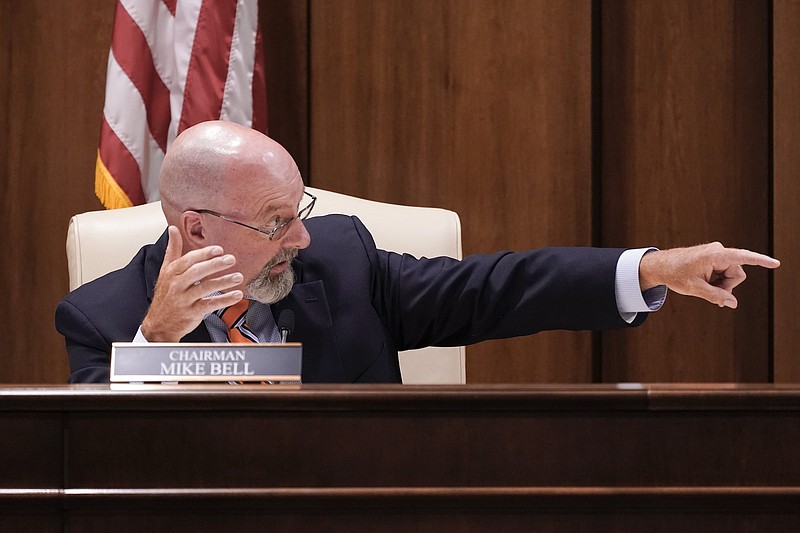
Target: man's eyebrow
<point>274,208</point>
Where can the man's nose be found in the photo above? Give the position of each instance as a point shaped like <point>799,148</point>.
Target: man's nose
<point>297,236</point>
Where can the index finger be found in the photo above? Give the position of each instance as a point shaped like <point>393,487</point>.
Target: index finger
<point>179,263</point>
<point>746,257</point>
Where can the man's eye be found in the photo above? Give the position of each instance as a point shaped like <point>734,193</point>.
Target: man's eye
<point>274,223</point>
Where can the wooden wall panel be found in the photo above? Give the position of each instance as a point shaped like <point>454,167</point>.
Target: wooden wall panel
<point>5,88</point>
<point>480,106</point>
<point>54,62</point>
<point>685,160</point>
<point>786,113</point>
<point>284,26</point>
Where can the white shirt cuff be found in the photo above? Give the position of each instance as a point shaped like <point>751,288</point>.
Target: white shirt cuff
<point>630,298</point>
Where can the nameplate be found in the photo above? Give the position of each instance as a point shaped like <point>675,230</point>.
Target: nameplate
<point>206,362</point>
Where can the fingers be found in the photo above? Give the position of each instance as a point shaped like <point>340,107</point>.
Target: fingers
<point>194,271</point>
<point>175,264</point>
<point>730,278</point>
<point>181,265</point>
<point>201,289</point>
<point>718,287</point>
<point>181,297</point>
<point>727,272</point>
<point>209,304</point>
<point>708,271</point>
<point>715,295</point>
<point>746,257</point>
<point>192,276</point>
<point>198,267</point>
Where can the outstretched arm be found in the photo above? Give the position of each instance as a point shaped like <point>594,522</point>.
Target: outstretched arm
<point>707,271</point>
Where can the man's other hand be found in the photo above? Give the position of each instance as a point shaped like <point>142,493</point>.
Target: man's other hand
<point>181,298</point>
<point>708,271</point>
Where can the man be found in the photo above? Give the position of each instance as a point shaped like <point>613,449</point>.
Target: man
<point>235,203</point>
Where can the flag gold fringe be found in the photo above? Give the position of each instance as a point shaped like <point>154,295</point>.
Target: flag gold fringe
<point>107,189</point>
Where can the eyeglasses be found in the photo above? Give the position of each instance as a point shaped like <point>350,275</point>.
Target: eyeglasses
<point>280,228</point>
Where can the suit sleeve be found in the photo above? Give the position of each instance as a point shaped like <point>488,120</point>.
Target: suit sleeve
<point>93,316</point>
<point>89,352</point>
<point>446,302</point>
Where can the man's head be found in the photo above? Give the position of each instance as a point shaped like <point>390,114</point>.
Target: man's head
<point>219,176</point>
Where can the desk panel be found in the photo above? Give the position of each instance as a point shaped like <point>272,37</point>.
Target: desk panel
<point>462,458</point>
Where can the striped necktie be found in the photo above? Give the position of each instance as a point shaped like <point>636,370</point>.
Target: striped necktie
<point>235,317</point>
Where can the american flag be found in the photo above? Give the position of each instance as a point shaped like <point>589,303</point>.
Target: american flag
<point>172,64</point>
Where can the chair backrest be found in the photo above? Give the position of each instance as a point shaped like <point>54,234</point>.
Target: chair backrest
<point>101,241</point>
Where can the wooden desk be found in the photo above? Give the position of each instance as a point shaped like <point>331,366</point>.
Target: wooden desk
<point>401,458</point>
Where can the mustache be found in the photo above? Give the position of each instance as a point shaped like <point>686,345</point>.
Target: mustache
<point>287,255</point>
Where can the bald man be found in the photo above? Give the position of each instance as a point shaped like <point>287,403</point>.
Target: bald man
<point>236,208</point>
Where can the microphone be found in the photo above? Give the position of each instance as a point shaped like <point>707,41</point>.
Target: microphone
<point>286,323</point>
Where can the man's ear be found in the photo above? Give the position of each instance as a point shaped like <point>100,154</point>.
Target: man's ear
<point>192,229</point>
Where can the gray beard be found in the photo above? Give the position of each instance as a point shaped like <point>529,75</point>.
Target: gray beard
<point>268,291</point>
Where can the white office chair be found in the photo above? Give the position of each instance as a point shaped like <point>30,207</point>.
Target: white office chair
<point>101,241</point>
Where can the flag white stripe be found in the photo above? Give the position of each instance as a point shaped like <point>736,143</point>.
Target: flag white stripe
<point>237,101</point>
<point>125,113</point>
<point>170,40</point>
<point>186,15</point>
<point>155,21</point>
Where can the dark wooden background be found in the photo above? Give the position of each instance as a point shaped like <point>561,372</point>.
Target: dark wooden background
<point>564,122</point>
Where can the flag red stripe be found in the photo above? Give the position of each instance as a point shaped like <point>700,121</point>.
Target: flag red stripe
<point>202,86</point>
<point>208,65</point>
<point>259,87</point>
<point>171,4</point>
<point>134,57</point>
<point>120,163</point>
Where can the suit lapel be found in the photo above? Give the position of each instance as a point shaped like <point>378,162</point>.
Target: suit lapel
<point>313,327</point>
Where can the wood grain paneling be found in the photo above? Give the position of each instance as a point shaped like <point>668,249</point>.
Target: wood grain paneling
<point>34,458</point>
<point>284,26</point>
<point>663,458</point>
<point>786,128</point>
<point>5,89</point>
<point>480,106</point>
<point>54,65</point>
<point>563,514</point>
<point>685,160</point>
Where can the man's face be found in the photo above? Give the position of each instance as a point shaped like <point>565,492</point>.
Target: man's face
<point>264,263</point>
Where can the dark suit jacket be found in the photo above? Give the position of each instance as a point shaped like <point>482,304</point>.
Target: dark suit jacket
<point>355,306</point>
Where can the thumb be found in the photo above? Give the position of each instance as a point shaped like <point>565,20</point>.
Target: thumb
<point>174,245</point>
